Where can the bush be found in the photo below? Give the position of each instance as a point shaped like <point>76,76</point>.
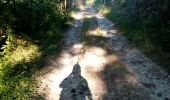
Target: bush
<point>146,24</point>
<point>29,31</point>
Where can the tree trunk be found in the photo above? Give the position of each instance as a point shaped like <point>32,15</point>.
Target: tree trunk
<point>65,4</point>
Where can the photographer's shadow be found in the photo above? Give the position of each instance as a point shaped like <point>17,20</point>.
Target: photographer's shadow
<point>75,87</point>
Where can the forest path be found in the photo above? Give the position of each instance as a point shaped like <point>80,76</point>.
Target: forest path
<point>101,65</point>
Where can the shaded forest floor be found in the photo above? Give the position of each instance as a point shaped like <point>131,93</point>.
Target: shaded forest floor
<point>148,36</point>
<point>97,62</point>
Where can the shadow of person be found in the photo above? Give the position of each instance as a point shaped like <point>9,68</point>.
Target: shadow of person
<point>75,87</point>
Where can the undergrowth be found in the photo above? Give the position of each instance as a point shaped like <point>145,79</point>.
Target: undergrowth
<point>149,37</point>
<point>21,58</point>
<point>30,31</point>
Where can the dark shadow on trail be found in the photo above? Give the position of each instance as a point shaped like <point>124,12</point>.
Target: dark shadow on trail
<point>75,87</point>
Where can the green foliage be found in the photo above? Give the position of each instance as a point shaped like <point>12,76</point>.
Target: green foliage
<point>20,60</point>
<point>15,79</point>
<point>29,31</point>
<point>9,43</point>
<point>145,24</point>
<point>36,15</point>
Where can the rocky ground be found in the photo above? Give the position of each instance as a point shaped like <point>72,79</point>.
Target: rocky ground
<point>100,64</point>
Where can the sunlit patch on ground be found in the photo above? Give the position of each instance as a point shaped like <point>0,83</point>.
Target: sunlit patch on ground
<point>88,15</point>
<point>96,62</point>
<point>113,31</point>
<point>97,32</point>
<point>97,58</point>
<point>92,62</point>
<point>131,79</point>
<point>78,16</point>
<point>108,76</point>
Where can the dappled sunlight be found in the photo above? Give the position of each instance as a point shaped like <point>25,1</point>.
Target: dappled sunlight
<point>24,53</point>
<point>92,61</point>
<point>100,66</point>
<point>100,61</point>
<point>17,68</point>
<point>132,80</point>
<point>89,15</point>
<point>90,2</point>
<point>113,31</point>
<point>98,51</point>
<point>82,7</point>
<point>97,32</point>
<point>78,16</point>
<point>99,16</point>
<point>77,49</point>
<point>69,51</point>
<point>104,29</point>
<point>96,58</point>
<point>101,32</point>
<point>103,10</point>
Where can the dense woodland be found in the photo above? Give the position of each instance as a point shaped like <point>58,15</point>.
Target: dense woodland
<point>31,30</point>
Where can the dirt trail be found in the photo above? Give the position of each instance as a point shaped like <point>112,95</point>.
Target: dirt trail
<point>106,67</point>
